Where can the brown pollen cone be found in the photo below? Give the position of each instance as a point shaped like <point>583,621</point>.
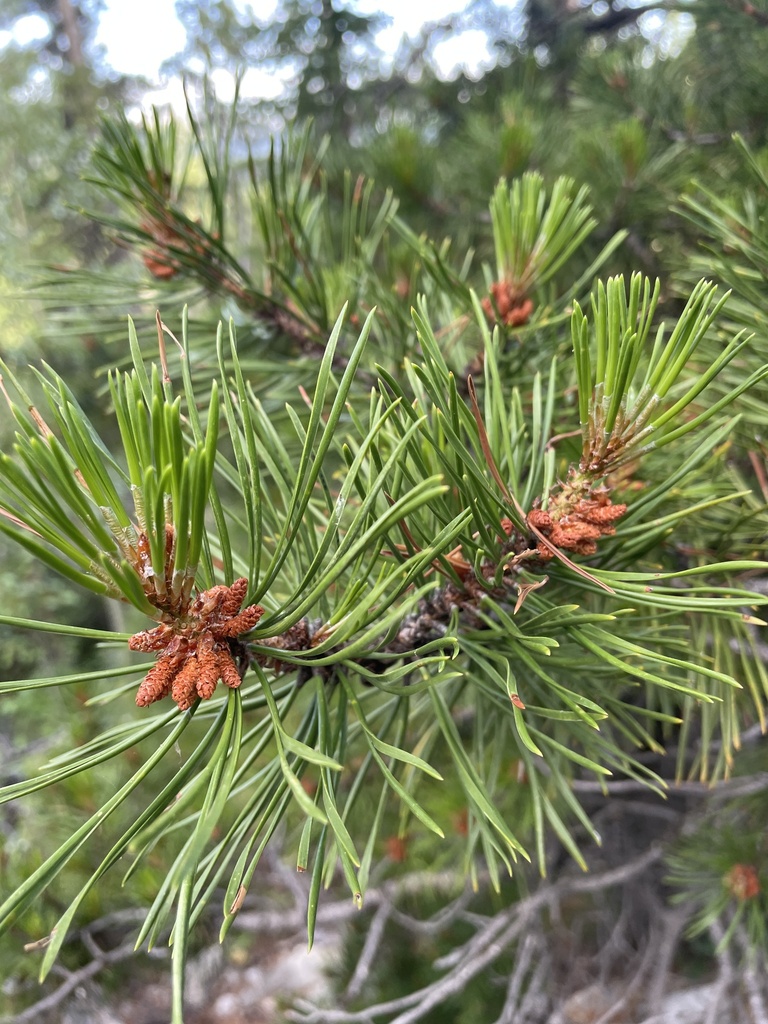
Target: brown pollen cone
<point>578,526</point>
<point>170,236</point>
<point>743,882</point>
<point>158,260</point>
<point>195,648</point>
<point>513,307</point>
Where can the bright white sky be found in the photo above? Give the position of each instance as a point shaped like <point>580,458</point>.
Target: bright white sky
<point>139,35</point>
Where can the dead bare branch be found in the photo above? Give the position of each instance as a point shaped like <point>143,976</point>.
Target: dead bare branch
<point>480,951</point>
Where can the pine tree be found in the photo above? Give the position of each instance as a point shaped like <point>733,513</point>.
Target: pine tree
<point>417,542</point>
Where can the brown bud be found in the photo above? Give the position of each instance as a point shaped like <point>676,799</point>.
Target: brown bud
<point>233,601</point>
<point>208,677</point>
<point>742,882</point>
<point>228,670</point>
<point>241,623</point>
<point>158,681</point>
<point>184,689</point>
<point>151,639</point>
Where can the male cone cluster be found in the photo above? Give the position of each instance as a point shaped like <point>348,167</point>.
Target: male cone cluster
<point>578,526</point>
<point>195,648</point>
